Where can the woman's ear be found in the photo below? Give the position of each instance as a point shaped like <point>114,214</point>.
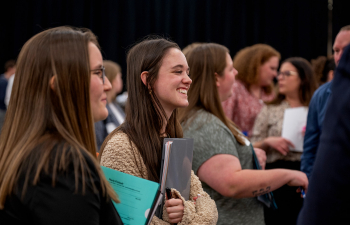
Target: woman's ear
<point>144,76</point>
<point>52,82</point>
<point>217,79</point>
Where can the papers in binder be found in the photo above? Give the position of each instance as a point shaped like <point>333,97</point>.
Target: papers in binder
<point>138,197</point>
<point>293,122</point>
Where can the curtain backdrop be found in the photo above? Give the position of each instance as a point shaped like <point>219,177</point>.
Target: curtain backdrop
<point>293,27</point>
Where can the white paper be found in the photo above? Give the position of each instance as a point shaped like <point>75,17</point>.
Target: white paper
<point>293,122</point>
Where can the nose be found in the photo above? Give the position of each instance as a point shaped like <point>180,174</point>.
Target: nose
<point>187,80</point>
<point>235,72</point>
<point>107,86</point>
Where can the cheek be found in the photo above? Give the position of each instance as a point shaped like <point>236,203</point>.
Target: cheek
<point>96,89</point>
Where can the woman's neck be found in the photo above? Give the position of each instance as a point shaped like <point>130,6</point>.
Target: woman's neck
<point>293,101</point>
<point>255,90</point>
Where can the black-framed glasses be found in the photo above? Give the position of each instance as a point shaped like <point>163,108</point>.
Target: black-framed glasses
<point>100,73</point>
<point>287,73</point>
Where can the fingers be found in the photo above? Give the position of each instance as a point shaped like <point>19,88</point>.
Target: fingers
<point>289,143</point>
<point>175,210</point>
<point>173,202</point>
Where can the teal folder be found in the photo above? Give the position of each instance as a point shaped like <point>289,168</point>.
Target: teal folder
<point>136,195</point>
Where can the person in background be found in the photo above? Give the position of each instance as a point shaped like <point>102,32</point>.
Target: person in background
<point>49,173</point>
<point>296,84</point>
<point>324,69</point>
<point>222,155</point>
<point>257,67</point>
<point>327,201</point>
<point>317,108</point>
<point>10,69</point>
<point>157,83</point>
<point>190,47</point>
<point>116,114</point>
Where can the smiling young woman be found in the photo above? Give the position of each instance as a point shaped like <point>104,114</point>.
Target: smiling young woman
<point>157,84</point>
<point>48,168</point>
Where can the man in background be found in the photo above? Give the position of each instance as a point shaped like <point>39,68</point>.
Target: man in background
<point>317,108</point>
<point>10,69</point>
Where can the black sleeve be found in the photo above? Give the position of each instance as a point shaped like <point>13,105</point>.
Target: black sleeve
<point>62,205</point>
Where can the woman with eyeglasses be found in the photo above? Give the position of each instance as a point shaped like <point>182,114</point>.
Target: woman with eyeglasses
<point>49,173</point>
<point>223,157</point>
<point>296,84</point>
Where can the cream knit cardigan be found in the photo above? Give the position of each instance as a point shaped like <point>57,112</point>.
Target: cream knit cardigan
<point>119,155</point>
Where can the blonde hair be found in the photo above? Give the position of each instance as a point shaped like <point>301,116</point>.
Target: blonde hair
<point>111,69</point>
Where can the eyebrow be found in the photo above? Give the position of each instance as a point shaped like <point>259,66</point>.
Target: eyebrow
<point>179,66</point>
<point>97,67</point>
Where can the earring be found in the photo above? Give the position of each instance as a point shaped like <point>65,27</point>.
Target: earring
<point>150,91</point>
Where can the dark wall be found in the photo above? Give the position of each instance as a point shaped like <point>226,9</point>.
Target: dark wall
<point>293,27</point>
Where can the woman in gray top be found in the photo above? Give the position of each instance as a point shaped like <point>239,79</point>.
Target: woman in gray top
<point>222,157</point>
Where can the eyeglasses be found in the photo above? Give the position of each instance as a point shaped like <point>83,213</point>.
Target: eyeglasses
<point>100,73</point>
<point>287,73</point>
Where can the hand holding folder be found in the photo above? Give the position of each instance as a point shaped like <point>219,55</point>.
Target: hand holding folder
<point>176,167</point>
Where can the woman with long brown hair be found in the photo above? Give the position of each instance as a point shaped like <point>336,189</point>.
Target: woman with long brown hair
<point>222,156</point>
<point>157,84</point>
<point>48,168</point>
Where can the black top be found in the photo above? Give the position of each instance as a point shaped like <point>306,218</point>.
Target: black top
<point>45,204</point>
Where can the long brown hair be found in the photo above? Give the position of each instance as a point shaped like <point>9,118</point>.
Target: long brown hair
<point>248,62</point>
<point>308,83</point>
<point>204,61</point>
<point>40,119</point>
<point>144,113</point>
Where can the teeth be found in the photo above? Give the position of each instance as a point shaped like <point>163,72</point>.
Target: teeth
<point>183,91</point>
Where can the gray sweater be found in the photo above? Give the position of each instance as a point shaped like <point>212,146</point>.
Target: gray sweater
<point>211,137</point>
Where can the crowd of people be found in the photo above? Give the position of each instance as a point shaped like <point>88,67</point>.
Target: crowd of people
<point>63,121</point>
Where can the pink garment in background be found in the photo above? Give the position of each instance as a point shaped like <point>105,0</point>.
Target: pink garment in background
<point>242,107</point>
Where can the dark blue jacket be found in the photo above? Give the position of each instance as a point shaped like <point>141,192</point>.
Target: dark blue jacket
<point>327,200</point>
<point>315,117</point>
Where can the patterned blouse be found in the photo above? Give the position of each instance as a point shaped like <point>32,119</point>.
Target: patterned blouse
<point>242,107</point>
<point>269,123</point>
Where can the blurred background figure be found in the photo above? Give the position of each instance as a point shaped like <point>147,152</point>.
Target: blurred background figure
<point>323,68</point>
<point>327,201</point>
<point>296,83</point>
<point>257,67</point>
<point>10,69</point>
<point>318,106</point>
<point>116,114</point>
<point>190,47</point>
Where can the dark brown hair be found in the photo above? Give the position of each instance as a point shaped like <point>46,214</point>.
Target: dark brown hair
<point>308,82</point>
<point>248,62</point>
<point>321,66</point>
<point>144,113</point>
<point>204,61</point>
<point>39,119</point>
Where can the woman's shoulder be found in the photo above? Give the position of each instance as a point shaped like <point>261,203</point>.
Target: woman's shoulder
<point>121,154</point>
<point>203,119</point>
<point>205,124</point>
